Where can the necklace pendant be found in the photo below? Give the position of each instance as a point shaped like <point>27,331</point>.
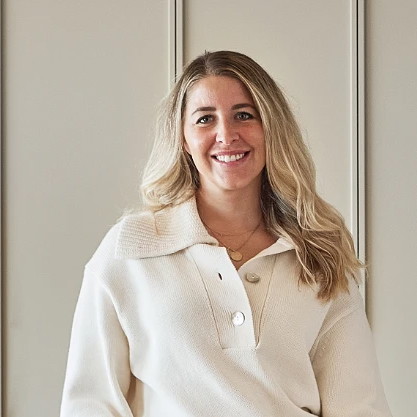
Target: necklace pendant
<point>234,255</point>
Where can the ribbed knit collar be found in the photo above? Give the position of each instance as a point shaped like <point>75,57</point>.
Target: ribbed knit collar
<point>147,234</point>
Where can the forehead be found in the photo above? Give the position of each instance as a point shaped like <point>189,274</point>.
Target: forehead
<point>218,90</point>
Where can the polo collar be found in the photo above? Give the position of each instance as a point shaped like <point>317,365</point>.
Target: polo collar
<point>148,234</point>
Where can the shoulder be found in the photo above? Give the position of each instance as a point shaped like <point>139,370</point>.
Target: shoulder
<point>153,234</point>
<point>135,230</point>
<point>106,267</point>
<point>347,301</point>
<point>342,306</point>
<point>149,234</point>
<point>123,233</point>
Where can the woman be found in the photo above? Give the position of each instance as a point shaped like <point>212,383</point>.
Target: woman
<point>234,293</point>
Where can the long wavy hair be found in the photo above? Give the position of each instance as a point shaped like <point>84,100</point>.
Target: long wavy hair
<point>290,204</point>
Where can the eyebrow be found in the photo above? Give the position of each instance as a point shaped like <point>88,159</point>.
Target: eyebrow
<point>235,107</point>
<point>203,109</point>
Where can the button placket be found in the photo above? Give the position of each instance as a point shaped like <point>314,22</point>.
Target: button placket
<point>257,286</point>
<point>229,301</point>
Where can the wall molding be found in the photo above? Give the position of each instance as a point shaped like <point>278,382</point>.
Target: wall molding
<point>176,37</point>
<point>1,206</point>
<point>357,107</point>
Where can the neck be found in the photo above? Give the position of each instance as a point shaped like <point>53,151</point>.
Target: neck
<point>229,211</point>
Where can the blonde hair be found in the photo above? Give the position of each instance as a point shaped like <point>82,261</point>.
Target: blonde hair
<point>290,204</point>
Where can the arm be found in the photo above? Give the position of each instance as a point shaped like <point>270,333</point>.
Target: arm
<point>98,373</point>
<point>346,368</point>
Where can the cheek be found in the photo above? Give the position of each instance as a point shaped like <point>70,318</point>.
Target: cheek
<point>186,146</point>
<point>189,141</point>
<point>195,145</point>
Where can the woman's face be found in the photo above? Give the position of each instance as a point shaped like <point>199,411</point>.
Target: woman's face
<point>224,135</point>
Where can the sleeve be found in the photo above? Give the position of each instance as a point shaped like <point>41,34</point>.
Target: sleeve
<point>346,368</point>
<point>98,378</point>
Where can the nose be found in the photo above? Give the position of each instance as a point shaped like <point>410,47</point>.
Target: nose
<point>226,133</point>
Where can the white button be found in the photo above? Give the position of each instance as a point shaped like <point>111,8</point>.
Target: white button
<point>238,318</point>
<point>251,277</point>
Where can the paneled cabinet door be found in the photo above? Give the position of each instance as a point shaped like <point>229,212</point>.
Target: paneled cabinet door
<point>84,79</point>
<point>310,48</point>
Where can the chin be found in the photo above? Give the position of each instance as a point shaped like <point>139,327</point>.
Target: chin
<point>240,186</point>
<point>234,184</point>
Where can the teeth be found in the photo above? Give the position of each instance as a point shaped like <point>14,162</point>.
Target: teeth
<point>230,158</point>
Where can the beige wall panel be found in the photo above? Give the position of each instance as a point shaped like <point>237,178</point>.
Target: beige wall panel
<point>305,46</point>
<point>82,80</point>
<point>392,195</point>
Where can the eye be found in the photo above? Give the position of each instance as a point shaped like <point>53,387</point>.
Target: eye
<point>243,115</point>
<point>204,120</point>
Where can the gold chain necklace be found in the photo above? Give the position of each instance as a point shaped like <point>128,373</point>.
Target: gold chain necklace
<point>234,254</point>
<point>222,234</point>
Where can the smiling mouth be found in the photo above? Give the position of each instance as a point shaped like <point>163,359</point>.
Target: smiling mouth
<point>230,158</point>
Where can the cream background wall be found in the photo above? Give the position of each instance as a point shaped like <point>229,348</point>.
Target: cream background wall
<point>82,80</point>
<point>391,127</point>
<point>80,86</point>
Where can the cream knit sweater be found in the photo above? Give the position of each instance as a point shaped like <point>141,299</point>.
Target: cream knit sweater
<point>166,327</point>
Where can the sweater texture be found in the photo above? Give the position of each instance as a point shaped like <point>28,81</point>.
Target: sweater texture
<point>165,326</point>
